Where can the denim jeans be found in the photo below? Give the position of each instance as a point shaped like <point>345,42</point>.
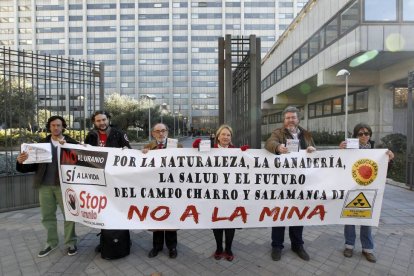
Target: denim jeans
<point>367,241</point>
<point>49,198</point>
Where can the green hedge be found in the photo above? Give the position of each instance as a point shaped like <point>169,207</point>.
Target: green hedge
<point>397,143</point>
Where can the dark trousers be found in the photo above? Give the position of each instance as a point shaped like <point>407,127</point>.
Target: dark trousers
<point>218,235</point>
<point>295,235</point>
<point>170,239</point>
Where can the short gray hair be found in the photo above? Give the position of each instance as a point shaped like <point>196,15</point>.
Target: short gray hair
<point>291,109</point>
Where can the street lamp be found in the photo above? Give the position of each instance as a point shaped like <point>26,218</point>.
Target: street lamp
<point>184,127</point>
<point>164,106</point>
<point>344,72</point>
<point>149,98</point>
<point>174,114</point>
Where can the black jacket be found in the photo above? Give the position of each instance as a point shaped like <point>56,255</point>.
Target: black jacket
<point>116,138</point>
<point>40,168</point>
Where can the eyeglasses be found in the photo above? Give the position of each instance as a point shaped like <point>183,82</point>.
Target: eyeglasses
<point>360,134</point>
<point>160,131</point>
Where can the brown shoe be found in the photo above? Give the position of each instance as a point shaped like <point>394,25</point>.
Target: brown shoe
<point>370,257</point>
<point>348,252</point>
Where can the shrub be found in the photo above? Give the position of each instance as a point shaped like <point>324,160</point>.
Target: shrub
<point>397,143</point>
<point>325,138</point>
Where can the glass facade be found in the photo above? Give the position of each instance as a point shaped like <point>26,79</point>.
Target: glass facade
<point>145,48</point>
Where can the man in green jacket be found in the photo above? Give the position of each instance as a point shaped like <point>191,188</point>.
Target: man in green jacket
<point>46,180</point>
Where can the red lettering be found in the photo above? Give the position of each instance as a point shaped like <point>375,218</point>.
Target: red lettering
<point>319,210</point>
<point>93,202</point>
<point>295,209</point>
<point>215,218</point>
<point>239,212</point>
<point>266,211</point>
<point>162,217</point>
<point>81,199</point>
<point>282,217</point>
<point>134,209</point>
<point>190,211</point>
<point>69,157</point>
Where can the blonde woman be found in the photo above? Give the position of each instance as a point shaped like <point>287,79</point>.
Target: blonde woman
<point>222,139</point>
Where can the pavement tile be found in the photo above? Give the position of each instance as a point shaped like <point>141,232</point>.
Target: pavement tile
<point>22,236</point>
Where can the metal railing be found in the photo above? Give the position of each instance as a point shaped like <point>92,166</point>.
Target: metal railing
<point>410,132</point>
<point>32,88</point>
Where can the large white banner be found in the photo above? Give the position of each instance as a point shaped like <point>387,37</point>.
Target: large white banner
<point>225,188</point>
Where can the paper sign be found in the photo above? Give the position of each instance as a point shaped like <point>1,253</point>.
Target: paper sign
<point>292,145</point>
<point>38,153</point>
<point>352,143</point>
<point>205,145</point>
<point>172,143</point>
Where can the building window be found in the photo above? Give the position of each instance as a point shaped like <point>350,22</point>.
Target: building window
<point>100,6</point>
<point>380,10</point>
<point>6,9</point>
<point>327,107</point>
<point>304,53</point>
<point>25,19</point>
<point>337,105</point>
<point>49,8</point>
<point>6,19</point>
<point>408,10</point>
<point>361,100</point>
<point>400,97</point>
<point>296,59</point>
<point>350,17</point>
<point>331,31</point>
<point>357,102</point>
<point>9,31</point>
<point>24,8</point>
<point>101,17</point>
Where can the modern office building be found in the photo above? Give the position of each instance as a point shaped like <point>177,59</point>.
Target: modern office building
<point>164,48</point>
<point>373,40</point>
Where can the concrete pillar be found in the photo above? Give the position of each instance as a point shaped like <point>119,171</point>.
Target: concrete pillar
<point>380,110</point>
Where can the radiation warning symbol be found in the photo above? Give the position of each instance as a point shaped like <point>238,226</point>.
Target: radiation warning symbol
<point>359,204</point>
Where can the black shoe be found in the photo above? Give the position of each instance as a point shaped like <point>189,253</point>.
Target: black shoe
<point>173,253</point>
<point>98,248</point>
<point>46,251</point>
<point>276,254</point>
<point>72,250</point>
<point>301,253</point>
<point>153,253</point>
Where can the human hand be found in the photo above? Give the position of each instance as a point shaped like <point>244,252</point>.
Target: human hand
<point>342,145</point>
<point>22,157</point>
<point>310,149</point>
<point>282,149</point>
<point>144,150</point>
<point>390,155</point>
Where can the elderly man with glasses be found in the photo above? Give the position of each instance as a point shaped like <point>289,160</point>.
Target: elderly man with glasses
<point>160,135</point>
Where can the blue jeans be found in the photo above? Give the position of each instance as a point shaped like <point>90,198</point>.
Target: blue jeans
<point>295,235</point>
<point>367,241</point>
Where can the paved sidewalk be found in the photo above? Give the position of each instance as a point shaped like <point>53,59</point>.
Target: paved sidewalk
<point>22,236</point>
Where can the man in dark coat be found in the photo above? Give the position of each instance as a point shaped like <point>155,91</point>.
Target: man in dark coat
<point>160,133</point>
<point>103,135</point>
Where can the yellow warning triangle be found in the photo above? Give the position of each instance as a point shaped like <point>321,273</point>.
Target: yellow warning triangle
<point>360,201</point>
